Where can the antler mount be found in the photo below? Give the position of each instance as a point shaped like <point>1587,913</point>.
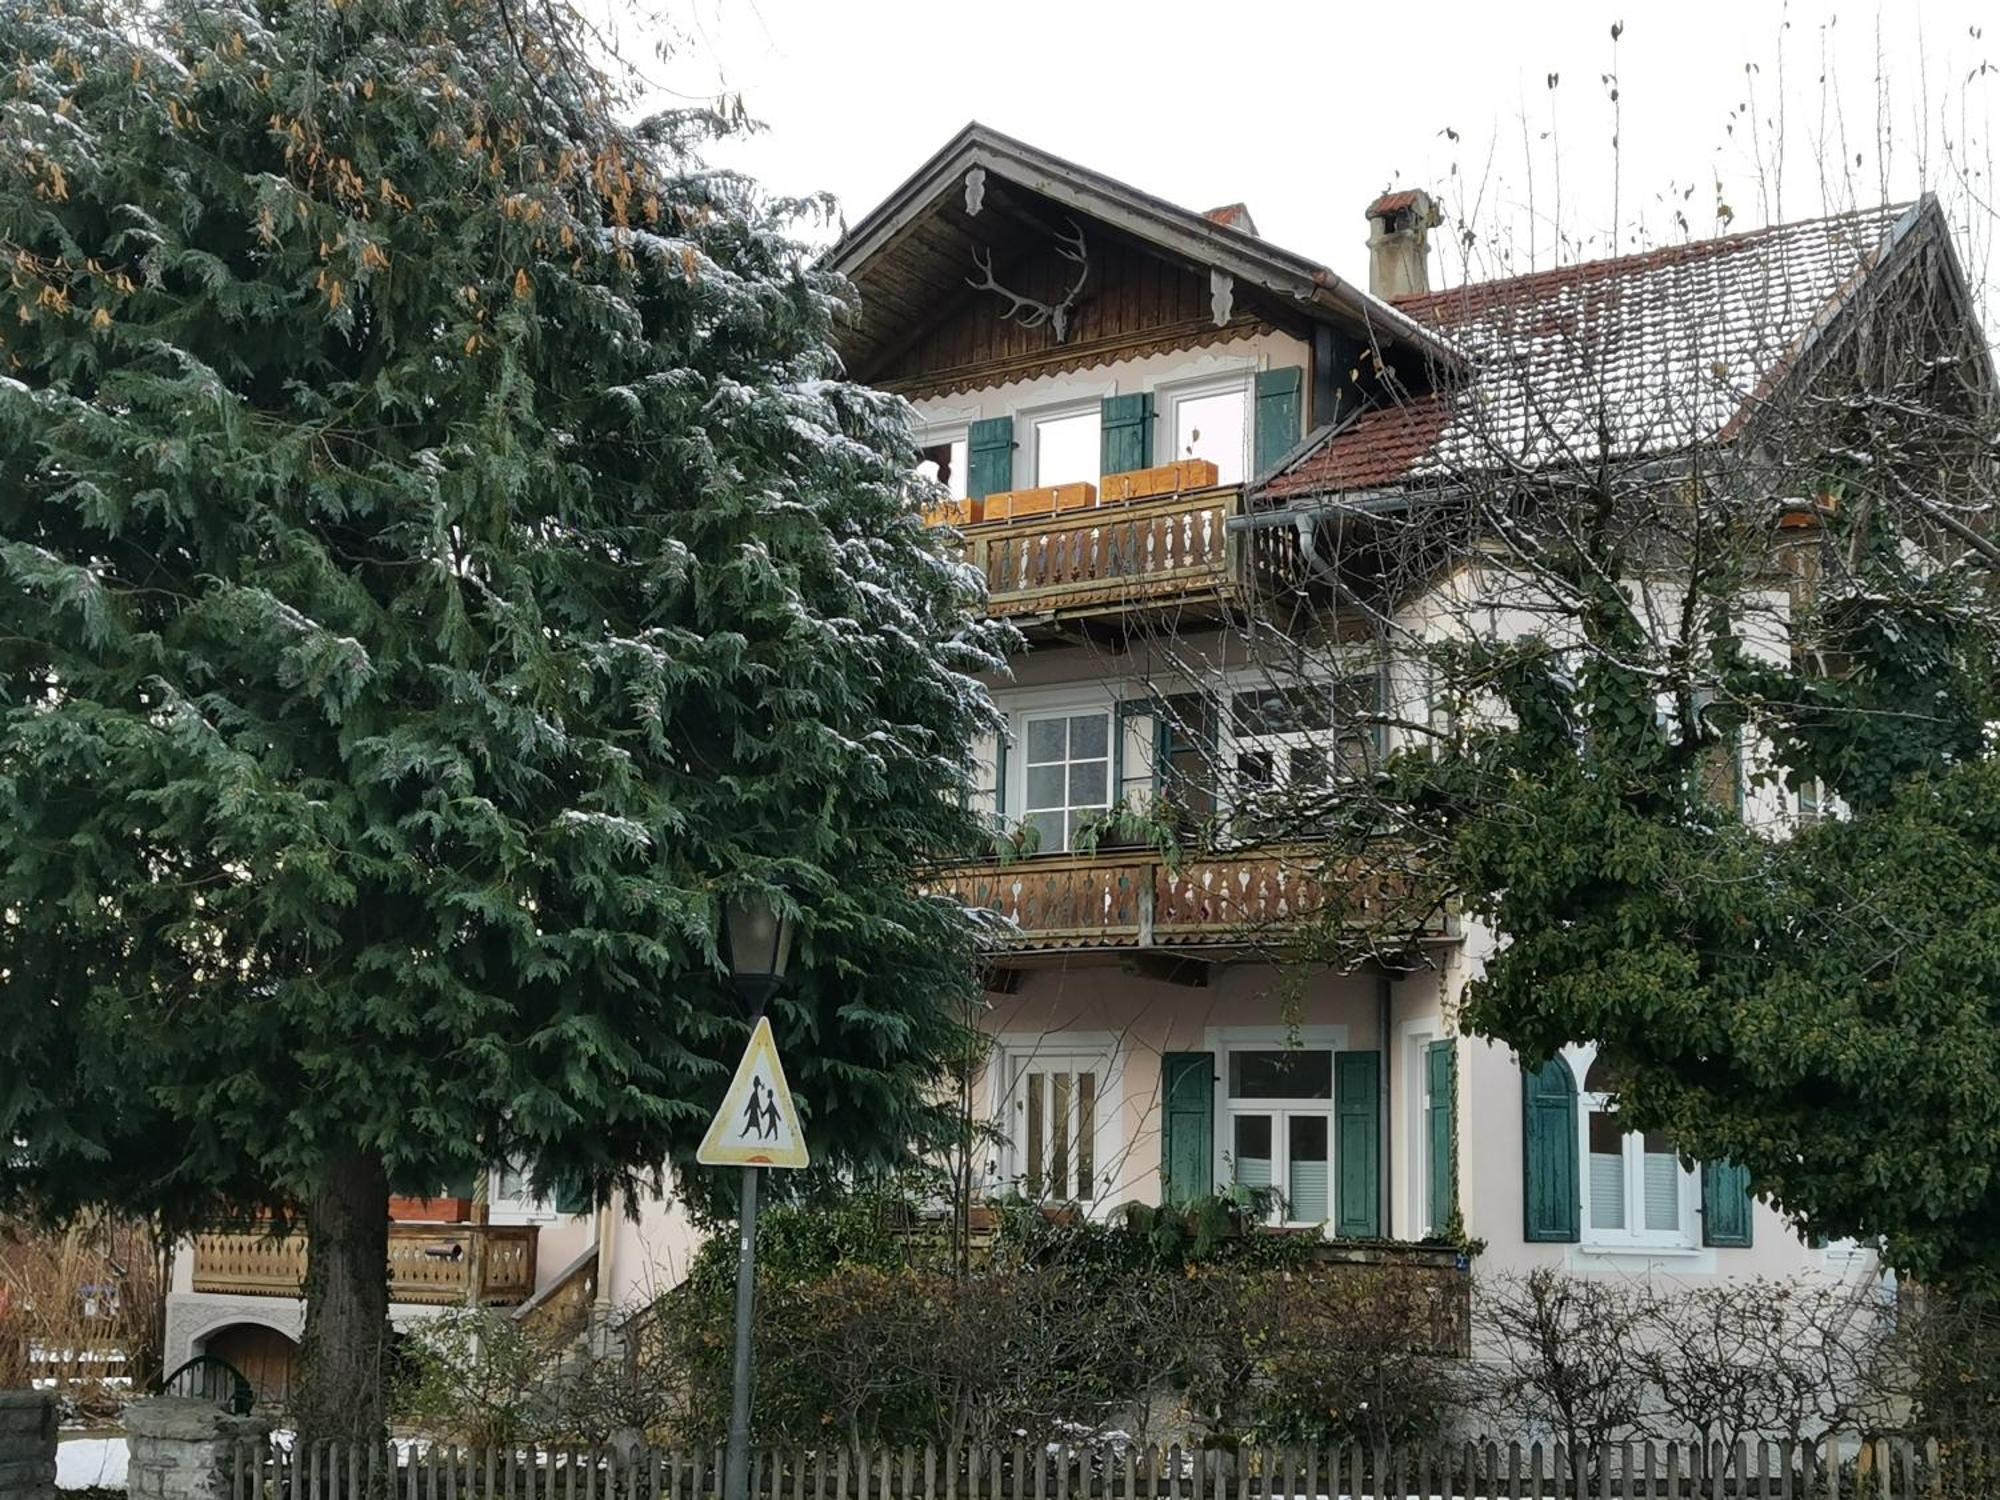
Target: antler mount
<point>1028,311</point>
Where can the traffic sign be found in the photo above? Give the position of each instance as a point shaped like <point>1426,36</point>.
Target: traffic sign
<point>757,1125</point>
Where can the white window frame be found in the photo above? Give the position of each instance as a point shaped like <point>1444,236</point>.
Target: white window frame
<point>1634,1236</point>
<point>1017,758</point>
<point>1028,454</point>
<point>951,432</point>
<point>1168,396</point>
<point>1416,1036</point>
<point>1229,743</point>
<point>1097,1052</point>
<point>1222,1041</point>
<point>514,1208</point>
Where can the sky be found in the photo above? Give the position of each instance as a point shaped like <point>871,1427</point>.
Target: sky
<point>1726,115</point>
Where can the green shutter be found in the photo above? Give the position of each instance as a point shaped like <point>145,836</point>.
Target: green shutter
<point>989,465</point>
<point>1440,1169</point>
<point>1725,1205</point>
<point>1125,433</point>
<point>1187,1131</point>
<point>1550,1182</point>
<point>573,1197</point>
<point>1280,400</point>
<point>1357,1108</point>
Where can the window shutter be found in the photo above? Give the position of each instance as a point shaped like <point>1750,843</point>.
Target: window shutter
<point>1440,1167</point>
<point>1125,433</point>
<point>1357,1108</point>
<point>1725,1205</point>
<point>1187,1130</point>
<point>1280,396</point>
<point>1549,1155</point>
<point>573,1197</point>
<point>988,792</point>
<point>989,464</point>
<point>1136,775</point>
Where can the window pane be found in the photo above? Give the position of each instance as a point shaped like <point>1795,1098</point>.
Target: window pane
<point>1253,769</point>
<point>1308,766</point>
<point>1663,1188</point>
<point>1607,1171</point>
<point>1050,826</point>
<point>1213,427</point>
<point>1306,1168</point>
<point>1045,740</point>
<point>1253,1150</point>
<point>1045,786</point>
<point>1295,1073</point>
<point>1089,736</point>
<point>1087,783</point>
<point>1066,449</point>
<point>945,462</point>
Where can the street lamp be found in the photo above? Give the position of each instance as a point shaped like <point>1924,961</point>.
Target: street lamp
<point>757,940</point>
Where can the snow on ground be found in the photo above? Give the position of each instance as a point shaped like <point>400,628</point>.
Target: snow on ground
<point>85,1461</point>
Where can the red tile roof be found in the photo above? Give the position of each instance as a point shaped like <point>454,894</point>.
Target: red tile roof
<point>1642,354</point>
<point>1390,203</point>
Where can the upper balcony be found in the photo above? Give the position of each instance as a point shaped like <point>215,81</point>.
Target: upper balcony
<point>436,1264</point>
<point>1153,540</point>
<point>1120,901</point>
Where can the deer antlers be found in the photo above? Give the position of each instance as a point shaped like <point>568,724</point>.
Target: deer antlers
<point>1033,314</point>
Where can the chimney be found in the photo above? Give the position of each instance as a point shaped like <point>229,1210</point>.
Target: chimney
<point>1399,226</point>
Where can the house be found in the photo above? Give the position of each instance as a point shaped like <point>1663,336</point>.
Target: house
<point>1166,441</point>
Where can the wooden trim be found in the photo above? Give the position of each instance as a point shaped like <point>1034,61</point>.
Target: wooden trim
<point>1065,359</point>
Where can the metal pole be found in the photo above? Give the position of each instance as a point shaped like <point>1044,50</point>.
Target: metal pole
<point>736,1466</point>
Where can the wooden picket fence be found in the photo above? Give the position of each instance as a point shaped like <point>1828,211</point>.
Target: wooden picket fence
<point>1832,1470</point>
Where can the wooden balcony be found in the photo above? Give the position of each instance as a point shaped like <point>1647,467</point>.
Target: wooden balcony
<point>1174,551</point>
<point>1117,900</point>
<point>438,1264</point>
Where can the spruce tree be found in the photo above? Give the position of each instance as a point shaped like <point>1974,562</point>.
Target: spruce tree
<point>443,561</point>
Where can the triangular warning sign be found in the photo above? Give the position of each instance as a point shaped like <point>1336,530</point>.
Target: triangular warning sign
<point>757,1125</point>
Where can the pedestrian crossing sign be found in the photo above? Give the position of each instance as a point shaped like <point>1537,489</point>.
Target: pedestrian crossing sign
<point>757,1125</point>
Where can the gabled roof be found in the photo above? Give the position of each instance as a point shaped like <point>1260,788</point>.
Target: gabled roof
<point>1627,357</point>
<point>1182,234</point>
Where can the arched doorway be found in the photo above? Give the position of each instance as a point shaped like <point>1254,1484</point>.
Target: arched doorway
<point>266,1358</point>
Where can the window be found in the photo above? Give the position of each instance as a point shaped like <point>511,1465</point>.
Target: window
<point>1634,1189</point>
<point>945,461</point>
<point>1067,774</point>
<point>1215,425</point>
<point>1289,748</point>
<point>1280,1127</point>
<point>512,1194</point>
<point>1066,448</point>
<point>1060,1109</point>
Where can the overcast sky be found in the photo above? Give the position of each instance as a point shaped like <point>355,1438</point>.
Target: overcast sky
<point>1306,110</point>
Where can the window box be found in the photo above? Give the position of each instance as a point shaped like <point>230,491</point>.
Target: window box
<point>1050,499</point>
<point>955,513</point>
<point>1161,479</point>
<point>430,1210</point>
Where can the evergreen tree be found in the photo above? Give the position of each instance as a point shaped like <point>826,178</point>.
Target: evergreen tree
<point>443,561</point>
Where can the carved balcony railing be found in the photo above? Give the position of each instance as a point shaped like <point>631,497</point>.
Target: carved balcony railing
<point>1172,550</point>
<point>1135,899</point>
<point>438,1264</point>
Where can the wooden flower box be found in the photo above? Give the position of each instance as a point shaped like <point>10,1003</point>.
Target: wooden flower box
<point>1050,499</point>
<point>1161,479</point>
<point>955,513</point>
<point>430,1210</point>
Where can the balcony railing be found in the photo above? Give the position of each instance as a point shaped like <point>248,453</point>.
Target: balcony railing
<point>1138,900</point>
<point>439,1264</point>
<point>1169,550</point>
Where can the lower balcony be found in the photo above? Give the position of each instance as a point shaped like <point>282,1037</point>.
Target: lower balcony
<point>1118,900</point>
<point>435,1264</point>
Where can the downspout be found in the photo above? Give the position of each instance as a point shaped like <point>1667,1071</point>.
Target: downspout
<point>1384,990</point>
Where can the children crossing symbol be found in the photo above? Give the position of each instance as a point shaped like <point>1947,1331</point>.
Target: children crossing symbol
<point>757,1125</point>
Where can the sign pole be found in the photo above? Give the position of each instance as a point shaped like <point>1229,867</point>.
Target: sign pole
<point>736,1466</point>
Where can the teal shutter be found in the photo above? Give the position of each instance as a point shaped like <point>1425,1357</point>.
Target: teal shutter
<point>1440,1168</point>
<point>573,1197</point>
<point>1549,1167</point>
<point>1725,1205</point>
<point>1125,433</point>
<point>1280,400</point>
<point>1187,1129</point>
<point>1357,1108</point>
<point>989,464</point>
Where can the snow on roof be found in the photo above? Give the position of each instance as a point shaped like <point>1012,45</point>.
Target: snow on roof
<point>1642,354</point>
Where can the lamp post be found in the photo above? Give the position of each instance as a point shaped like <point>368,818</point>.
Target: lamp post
<point>757,939</point>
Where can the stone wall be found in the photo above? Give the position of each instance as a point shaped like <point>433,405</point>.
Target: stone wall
<point>27,1445</point>
<point>185,1449</point>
